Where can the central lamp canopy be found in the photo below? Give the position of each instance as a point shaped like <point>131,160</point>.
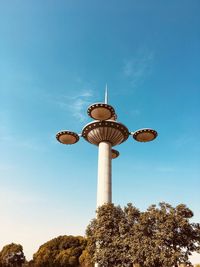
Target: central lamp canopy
<point>109,130</point>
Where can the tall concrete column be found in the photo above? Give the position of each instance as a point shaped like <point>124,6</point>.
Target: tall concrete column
<point>104,183</point>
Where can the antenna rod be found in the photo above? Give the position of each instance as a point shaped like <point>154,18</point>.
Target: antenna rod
<point>106,95</point>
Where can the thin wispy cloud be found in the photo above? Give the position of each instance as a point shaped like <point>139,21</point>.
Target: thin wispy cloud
<point>136,69</point>
<point>77,104</point>
<point>77,108</point>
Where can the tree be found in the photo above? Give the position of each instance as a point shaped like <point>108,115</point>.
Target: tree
<point>62,251</point>
<point>164,236</point>
<point>85,259</point>
<point>159,237</point>
<point>12,255</point>
<point>108,235</point>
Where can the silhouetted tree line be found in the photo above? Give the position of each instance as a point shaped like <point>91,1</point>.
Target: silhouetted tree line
<point>162,236</point>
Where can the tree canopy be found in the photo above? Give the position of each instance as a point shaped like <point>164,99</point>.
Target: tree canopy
<point>12,255</point>
<point>108,235</point>
<point>162,236</point>
<point>63,251</point>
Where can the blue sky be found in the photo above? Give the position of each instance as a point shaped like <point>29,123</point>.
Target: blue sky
<point>55,59</point>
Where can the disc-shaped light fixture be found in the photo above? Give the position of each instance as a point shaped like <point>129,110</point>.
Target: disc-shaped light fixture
<point>110,131</point>
<point>114,118</point>
<point>67,137</point>
<point>101,111</point>
<point>115,153</point>
<point>145,135</point>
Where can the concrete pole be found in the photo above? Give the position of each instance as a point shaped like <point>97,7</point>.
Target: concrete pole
<point>104,183</point>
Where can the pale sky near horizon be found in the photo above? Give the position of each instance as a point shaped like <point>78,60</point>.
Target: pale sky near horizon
<point>55,59</point>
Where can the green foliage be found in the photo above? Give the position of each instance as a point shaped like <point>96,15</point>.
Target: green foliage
<point>161,236</point>
<point>62,251</point>
<point>12,256</point>
<point>85,259</point>
<point>166,236</point>
<point>108,235</point>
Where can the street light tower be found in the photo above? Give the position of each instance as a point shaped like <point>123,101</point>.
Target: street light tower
<point>105,132</point>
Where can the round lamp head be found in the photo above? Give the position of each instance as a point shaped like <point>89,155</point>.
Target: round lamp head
<point>145,135</point>
<point>115,153</point>
<point>67,137</point>
<point>114,118</point>
<point>101,111</point>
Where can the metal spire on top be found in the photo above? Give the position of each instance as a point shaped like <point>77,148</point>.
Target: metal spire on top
<point>106,95</point>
